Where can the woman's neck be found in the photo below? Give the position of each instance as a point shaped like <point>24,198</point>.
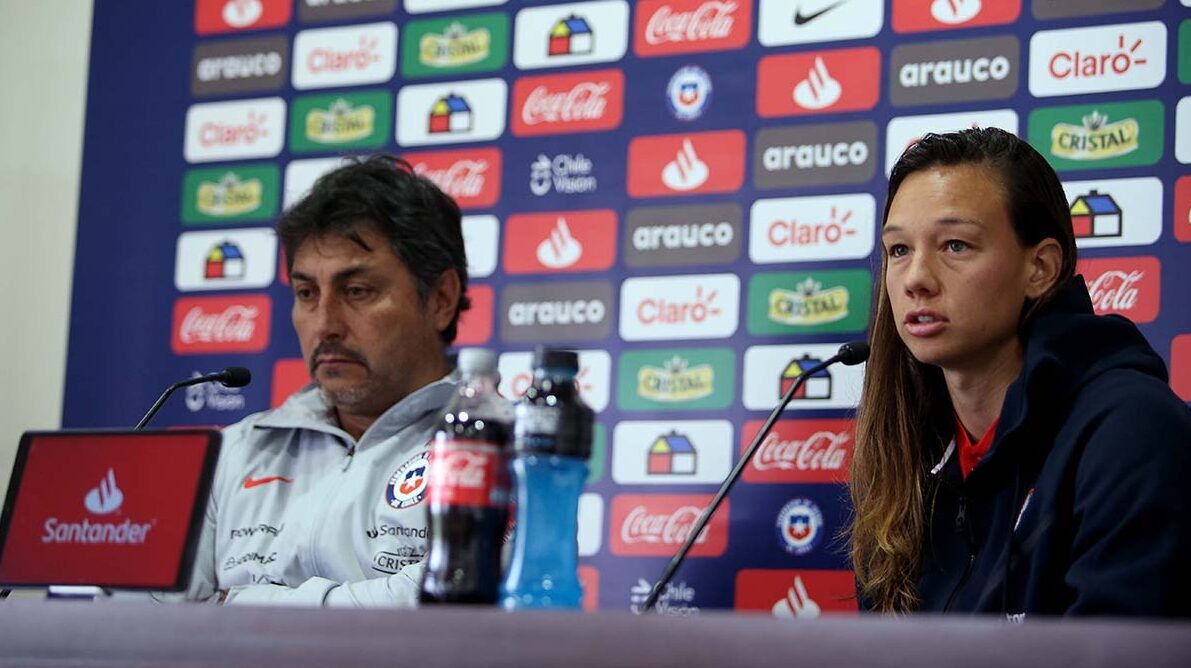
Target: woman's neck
<point>978,391</point>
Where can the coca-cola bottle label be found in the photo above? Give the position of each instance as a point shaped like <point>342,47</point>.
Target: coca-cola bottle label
<point>467,473</point>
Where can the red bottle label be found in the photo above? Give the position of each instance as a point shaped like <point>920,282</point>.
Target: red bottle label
<point>466,473</point>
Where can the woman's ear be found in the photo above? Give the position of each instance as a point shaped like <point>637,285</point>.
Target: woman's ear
<point>1045,263</point>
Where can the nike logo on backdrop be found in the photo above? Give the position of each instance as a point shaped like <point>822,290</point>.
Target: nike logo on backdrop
<point>803,19</point>
<point>249,482</point>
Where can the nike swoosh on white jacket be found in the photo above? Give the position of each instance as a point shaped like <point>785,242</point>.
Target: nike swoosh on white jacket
<point>302,514</point>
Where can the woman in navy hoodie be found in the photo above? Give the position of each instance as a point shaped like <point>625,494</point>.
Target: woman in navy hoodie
<point>1015,453</point>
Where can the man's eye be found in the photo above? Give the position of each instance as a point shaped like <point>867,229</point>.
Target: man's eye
<point>356,291</point>
<point>303,294</point>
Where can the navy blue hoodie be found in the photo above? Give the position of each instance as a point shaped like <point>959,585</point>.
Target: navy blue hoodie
<point>1083,503</point>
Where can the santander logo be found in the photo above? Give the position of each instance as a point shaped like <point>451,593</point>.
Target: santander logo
<point>219,16</point>
<point>665,27</point>
<point>106,498</point>
<point>818,82</point>
<point>1124,286</point>
<point>221,324</point>
<point>654,525</point>
<point>560,241</point>
<point>565,103</point>
<point>686,171</point>
<point>683,164</point>
<point>930,15</point>
<point>471,177</point>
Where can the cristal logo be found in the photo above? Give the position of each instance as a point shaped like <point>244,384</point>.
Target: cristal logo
<point>955,12</point>
<point>808,304</point>
<point>958,71</point>
<point>811,156</point>
<point>1115,291</point>
<point>242,13</point>
<point>821,451</point>
<point>586,101</point>
<point>676,382</point>
<point>661,310</point>
<point>640,526</point>
<point>692,235</point>
<point>339,123</point>
<point>248,133</point>
<point>331,60</point>
<point>1076,64</point>
<point>818,90</point>
<point>229,196</point>
<point>235,324</point>
<point>106,498</point>
<point>576,311</point>
<point>462,178</point>
<point>686,171</point>
<point>455,46</point>
<point>1096,138</point>
<point>708,21</point>
<point>561,249</point>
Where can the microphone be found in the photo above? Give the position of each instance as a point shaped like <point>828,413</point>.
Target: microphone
<point>850,354</point>
<point>233,376</point>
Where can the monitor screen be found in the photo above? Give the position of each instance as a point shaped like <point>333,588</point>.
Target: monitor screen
<point>109,509</point>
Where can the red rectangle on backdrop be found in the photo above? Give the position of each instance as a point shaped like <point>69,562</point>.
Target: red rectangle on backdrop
<point>564,103</point>
<point>104,509</point>
<point>655,525</point>
<point>544,243</point>
<point>818,82</point>
<point>686,164</point>
<point>1180,366</point>
<point>1128,286</point>
<point>797,594</point>
<point>1182,209</point>
<point>668,27</point>
<point>471,176</point>
<point>475,324</point>
<point>800,451</point>
<point>933,15</point>
<point>237,324</point>
<point>289,376</point>
<point>216,16</point>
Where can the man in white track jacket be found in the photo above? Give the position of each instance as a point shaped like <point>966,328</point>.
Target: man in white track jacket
<point>319,502</point>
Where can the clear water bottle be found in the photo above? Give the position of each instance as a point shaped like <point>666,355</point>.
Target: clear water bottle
<point>551,445</point>
<point>468,490</point>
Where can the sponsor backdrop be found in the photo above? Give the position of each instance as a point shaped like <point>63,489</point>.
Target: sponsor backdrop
<point>686,191</point>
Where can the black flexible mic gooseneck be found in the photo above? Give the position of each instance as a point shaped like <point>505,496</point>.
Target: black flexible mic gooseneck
<point>233,376</point>
<point>850,354</point>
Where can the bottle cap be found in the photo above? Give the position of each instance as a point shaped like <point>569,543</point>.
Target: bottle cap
<point>556,359</point>
<point>477,361</point>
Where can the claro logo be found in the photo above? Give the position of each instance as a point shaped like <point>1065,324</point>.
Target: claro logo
<point>954,71</point>
<point>679,307</point>
<point>1097,60</point>
<point>104,499</point>
<point>556,312</point>
<point>235,130</point>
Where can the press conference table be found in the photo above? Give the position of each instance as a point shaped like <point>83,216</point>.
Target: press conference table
<point>67,633</point>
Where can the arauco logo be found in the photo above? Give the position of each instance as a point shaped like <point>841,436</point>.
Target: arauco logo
<point>954,71</point>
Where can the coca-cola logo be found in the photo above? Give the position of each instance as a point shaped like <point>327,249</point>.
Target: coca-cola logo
<point>219,324</point>
<point>470,177</point>
<point>655,524</point>
<point>1124,286</point>
<point>688,26</point>
<point>586,101</point>
<point>581,102</point>
<point>800,451</point>
<point>464,472</point>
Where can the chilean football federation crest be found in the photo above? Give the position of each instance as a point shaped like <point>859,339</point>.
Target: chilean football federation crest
<point>689,92</point>
<point>407,486</point>
<point>799,526</point>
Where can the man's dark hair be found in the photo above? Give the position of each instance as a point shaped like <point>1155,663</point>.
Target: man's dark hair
<point>421,222</point>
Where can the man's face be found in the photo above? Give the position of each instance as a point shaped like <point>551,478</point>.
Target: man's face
<point>367,338</point>
<point>956,274</point>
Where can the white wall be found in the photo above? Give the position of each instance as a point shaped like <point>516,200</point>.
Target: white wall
<point>44,48</point>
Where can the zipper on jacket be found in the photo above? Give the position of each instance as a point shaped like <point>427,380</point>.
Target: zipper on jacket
<point>961,527</point>
<point>347,461</point>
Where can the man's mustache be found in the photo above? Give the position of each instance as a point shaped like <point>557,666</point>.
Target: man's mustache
<point>332,349</point>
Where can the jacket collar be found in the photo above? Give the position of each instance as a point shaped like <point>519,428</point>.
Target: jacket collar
<point>307,409</point>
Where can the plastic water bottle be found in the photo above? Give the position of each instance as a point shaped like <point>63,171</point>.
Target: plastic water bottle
<point>551,445</point>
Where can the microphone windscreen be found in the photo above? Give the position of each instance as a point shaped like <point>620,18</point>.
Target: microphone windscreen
<point>853,353</point>
<point>235,376</point>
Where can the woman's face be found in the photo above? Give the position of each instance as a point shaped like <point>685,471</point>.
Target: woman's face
<point>956,274</point>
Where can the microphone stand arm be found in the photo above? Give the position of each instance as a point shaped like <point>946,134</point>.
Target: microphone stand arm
<point>701,524</point>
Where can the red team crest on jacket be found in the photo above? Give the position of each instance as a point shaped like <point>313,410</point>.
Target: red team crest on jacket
<point>407,485</point>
